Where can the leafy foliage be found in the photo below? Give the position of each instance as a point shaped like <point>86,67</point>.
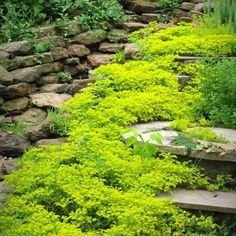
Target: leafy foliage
<point>16,17</point>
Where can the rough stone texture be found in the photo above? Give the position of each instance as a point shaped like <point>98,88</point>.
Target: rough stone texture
<point>55,88</point>
<point>40,131</point>
<point>3,89</point>
<point>97,59</point>
<point>12,145</point>
<point>90,37</point>
<point>199,7</point>
<point>110,47</point>
<point>19,90</point>
<point>78,50</point>
<point>44,31</point>
<point>76,69</point>
<point>31,117</point>
<point>131,50</point>
<point>72,61</point>
<point>47,79</point>
<point>30,74</point>
<point>140,6</point>
<point>5,77</point>
<point>49,99</point>
<point>59,53</point>
<point>78,84</point>
<point>56,41</point>
<point>4,191</point>
<point>188,6</point>
<point>134,26</point>
<point>7,166</point>
<point>72,28</point>
<point>117,36</point>
<point>31,60</point>
<point>149,17</point>
<point>186,19</point>
<point>46,142</point>
<point>228,134</point>
<point>16,105</point>
<point>17,48</point>
<point>132,18</point>
<point>215,151</point>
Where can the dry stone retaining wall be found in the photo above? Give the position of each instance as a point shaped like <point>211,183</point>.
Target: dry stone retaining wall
<point>30,82</point>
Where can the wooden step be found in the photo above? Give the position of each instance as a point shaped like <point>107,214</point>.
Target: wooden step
<point>224,202</point>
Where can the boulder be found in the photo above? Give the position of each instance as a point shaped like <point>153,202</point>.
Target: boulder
<point>16,105</point>
<point>46,142</point>
<point>141,6</point>
<point>59,53</point>
<point>199,7</point>
<point>71,28</point>
<point>97,59</point>
<point>149,17</point>
<point>78,50</point>
<point>47,79</point>
<point>40,131</point>
<point>7,166</point>
<point>117,36</point>
<point>55,88</point>
<point>4,58</point>
<point>131,50</point>
<point>132,18</point>
<point>30,60</point>
<point>3,89</point>
<point>110,47</point>
<point>17,48</point>
<point>18,90</point>
<point>44,31</point>
<point>72,61</point>
<point>31,117</point>
<point>134,26</point>
<point>53,41</point>
<point>12,145</point>
<point>90,37</point>
<point>78,84</point>
<point>49,99</point>
<point>5,76</point>
<point>30,74</point>
<point>187,6</point>
<point>79,69</point>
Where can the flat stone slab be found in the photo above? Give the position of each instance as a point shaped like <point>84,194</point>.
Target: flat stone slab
<point>224,202</point>
<point>205,150</point>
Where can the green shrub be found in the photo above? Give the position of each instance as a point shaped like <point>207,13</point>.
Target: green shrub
<point>219,93</point>
<point>170,5</point>
<point>64,76</point>
<point>16,18</point>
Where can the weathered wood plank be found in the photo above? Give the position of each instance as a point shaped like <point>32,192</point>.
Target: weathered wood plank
<point>224,202</point>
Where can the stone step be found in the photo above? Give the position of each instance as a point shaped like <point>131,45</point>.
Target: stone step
<point>224,202</point>
<point>191,59</point>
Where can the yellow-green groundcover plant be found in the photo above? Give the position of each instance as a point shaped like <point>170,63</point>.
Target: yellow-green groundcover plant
<point>94,184</point>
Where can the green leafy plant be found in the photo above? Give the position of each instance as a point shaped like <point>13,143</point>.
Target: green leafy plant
<point>183,140</point>
<point>141,147</point>
<point>119,57</point>
<point>64,76</point>
<point>170,5</point>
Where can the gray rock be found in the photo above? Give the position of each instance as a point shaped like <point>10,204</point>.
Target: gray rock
<point>47,79</point>
<point>72,28</point>
<point>44,31</point>
<point>3,89</point>
<point>149,17</point>
<point>16,105</point>
<point>134,26</point>
<point>187,6</point>
<point>5,77</point>
<point>55,88</point>
<point>97,59</point>
<point>132,18</point>
<point>30,74</point>
<point>12,145</point>
<point>78,50</point>
<point>72,61</point>
<point>78,84</point>
<point>17,48</point>
<point>49,99</point>
<point>78,69</point>
<point>52,41</point>
<point>141,6</point>
<point>30,60</point>
<point>40,131</point>
<point>131,50</point>
<point>59,53</point>
<point>31,117</point>
<point>7,166</point>
<point>90,37</point>
<point>46,142</point>
<point>110,47</point>
<point>18,90</point>
<point>117,36</point>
